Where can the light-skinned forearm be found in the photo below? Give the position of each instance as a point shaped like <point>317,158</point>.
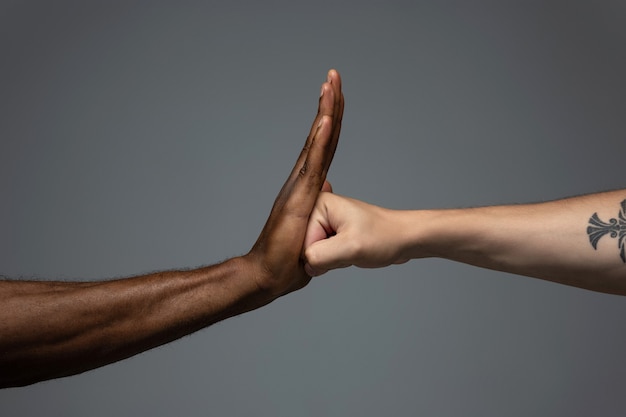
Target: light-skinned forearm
<point>546,240</point>
<point>551,241</point>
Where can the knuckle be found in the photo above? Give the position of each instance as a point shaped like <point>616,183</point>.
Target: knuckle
<point>304,169</point>
<point>311,256</point>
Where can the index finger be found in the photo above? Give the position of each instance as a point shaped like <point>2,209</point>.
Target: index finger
<point>310,171</point>
<point>318,137</point>
<point>338,103</point>
<point>327,107</point>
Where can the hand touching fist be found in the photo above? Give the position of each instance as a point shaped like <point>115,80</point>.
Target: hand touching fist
<point>344,232</point>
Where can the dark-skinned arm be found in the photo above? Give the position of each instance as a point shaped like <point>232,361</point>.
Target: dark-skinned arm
<point>55,329</point>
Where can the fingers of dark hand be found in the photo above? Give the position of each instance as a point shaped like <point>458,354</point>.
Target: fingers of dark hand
<point>309,172</point>
<point>334,79</point>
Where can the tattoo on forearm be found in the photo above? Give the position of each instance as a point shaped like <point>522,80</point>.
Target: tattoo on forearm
<point>615,227</point>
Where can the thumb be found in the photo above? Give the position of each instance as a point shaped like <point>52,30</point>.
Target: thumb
<point>324,255</point>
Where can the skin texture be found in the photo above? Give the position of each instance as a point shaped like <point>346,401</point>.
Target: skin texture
<point>54,329</point>
<point>550,241</point>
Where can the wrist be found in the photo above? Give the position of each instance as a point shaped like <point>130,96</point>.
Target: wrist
<point>238,281</point>
<point>424,233</point>
<point>265,287</point>
<point>455,234</point>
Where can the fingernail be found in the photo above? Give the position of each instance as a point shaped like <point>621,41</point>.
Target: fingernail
<point>322,92</point>
<point>320,123</point>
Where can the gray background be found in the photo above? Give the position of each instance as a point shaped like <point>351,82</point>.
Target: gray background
<point>139,137</point>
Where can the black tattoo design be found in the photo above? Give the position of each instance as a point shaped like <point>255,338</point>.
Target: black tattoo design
<point>616,227</point>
